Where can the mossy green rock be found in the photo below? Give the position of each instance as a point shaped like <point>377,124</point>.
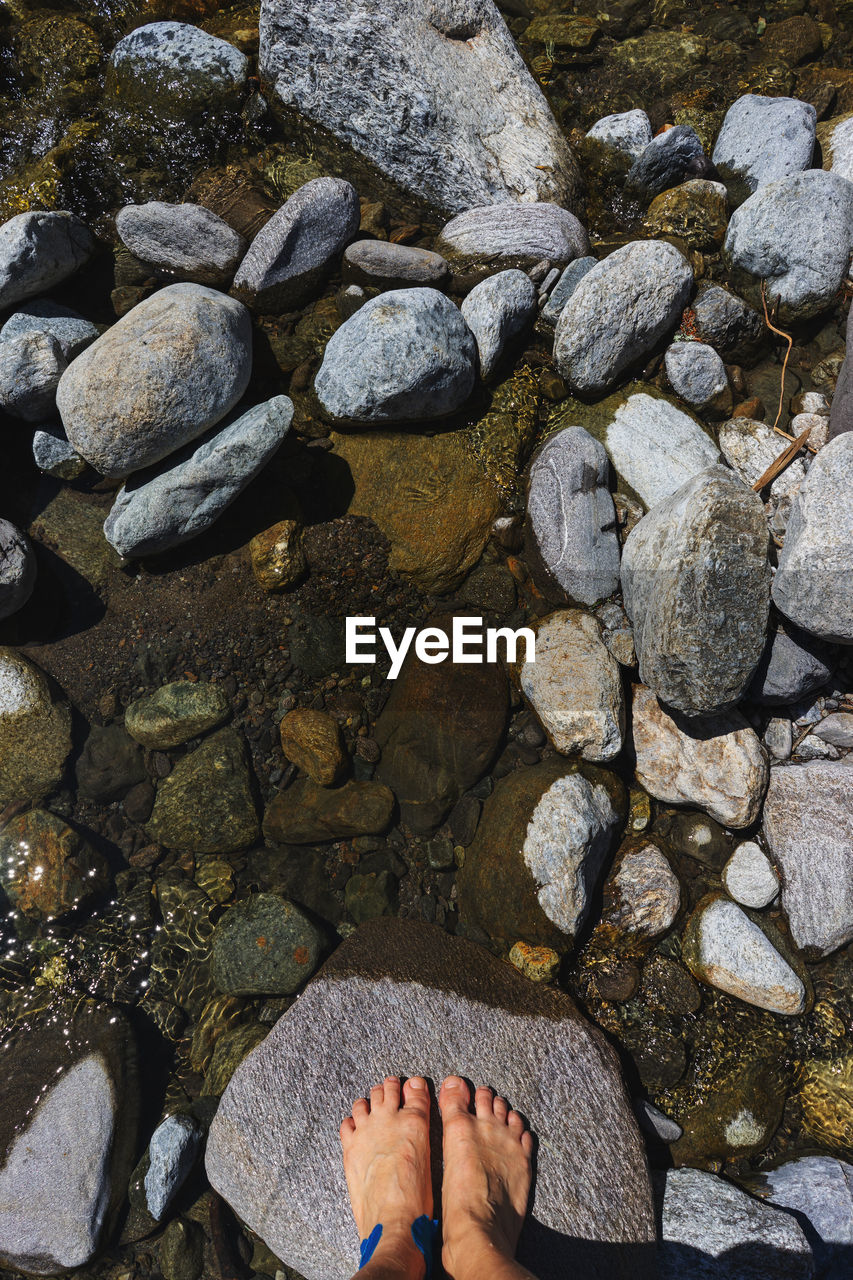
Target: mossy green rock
<point>371,895</point>
<point>206,803</point>
<point>229,1051</point>
<point>176,713</point>
<point>182,1250</point>
<point>264,946</point>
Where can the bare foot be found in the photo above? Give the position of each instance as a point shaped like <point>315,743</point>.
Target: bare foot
<point>487,1174</point>
<point>386,1162</point>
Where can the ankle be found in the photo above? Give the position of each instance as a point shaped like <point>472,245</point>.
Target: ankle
<point>396,1255</point>
<point>473,1251</point>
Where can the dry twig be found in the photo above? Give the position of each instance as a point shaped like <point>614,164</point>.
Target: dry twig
<point>786,457</point>
<point>790,342</point>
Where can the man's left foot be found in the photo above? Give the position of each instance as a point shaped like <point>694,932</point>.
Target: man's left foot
<point>387,1167</point>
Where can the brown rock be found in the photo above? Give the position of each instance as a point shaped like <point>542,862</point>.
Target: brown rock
<point>236,195</point>
<point>35,732</point>
<point>794,40</point>
<point>278,560</point>
<point>539,964</point>
<point>439,732</point>
<point>312,740</point>
<point>308,814</point>
<point>46,868</point>
<point>429,497</point>
<point>696,212</point>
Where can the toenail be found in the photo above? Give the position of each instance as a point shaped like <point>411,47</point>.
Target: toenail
<point>452,1082</point>
<point>417,1083</point>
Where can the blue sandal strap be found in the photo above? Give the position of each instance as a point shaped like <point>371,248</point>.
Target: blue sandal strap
<point>424,1233</point>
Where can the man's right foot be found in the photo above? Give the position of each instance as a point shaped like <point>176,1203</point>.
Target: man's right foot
<point>487,1175</point>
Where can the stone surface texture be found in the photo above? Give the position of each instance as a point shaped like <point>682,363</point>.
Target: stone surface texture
<point>173,1150</point>
<point>723,947</point>
<point>176,712</point>
<point>40,250</point>
<point>667,160</point>
<point>712,1230</point>
<point>509,234</point>
<point>184,241</point>
<point>35,732</point>
<point>415,1001</point>
<point>819,1191</point>
<point>125,403</point>
<point>627,133</point>
<point>405,355</point>
<point>749,877</point>
<point>30,368</point>
<point>72,331</point>
<point>750,447</point>
<point>696,579</point>
<point>571,519</point>
<point>189,492</point>
<point>716,763</point>
<point>387,265</point>
<point>619,311</point>
<point>796,235</point>
<point>177,68</point>
<point>813,585</point>
<point>569,280</point>
<point>17,569</point>
<point>575,686</point>
<point>435,95</point>
<point>696,372</point>
<point>793,665</point>
<point>289,257</point>
<point>808,826</point>
<point>496,311</point>
<point>763,140</point>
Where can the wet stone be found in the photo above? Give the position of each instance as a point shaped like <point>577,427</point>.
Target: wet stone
<point>626,134</point>
<point>668,987</point>
<point>667,160</point>
<point>177,69</point>
<point>109,764</point>
<point>175,713</point>
<point>539,964</point>
<point>229,1051</point>
<point>17,569</point>
<point>173,1150</point>
<point>206,803</point>
<point>35,732</point>
<point>184,241</point>
<point>278,560</point>
<point>697,836</point>
<point>308,814</point>
<point>181,1250</point>
<point>370,895</point>
<point>312,741</point>
<point>47,868</point>
<point>264,946</point>
<point>696,212</point>
<point>726,949</point>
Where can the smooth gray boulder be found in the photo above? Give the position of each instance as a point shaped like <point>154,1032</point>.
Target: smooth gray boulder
<point>571,520</point>
<point>405,355</point>
<point>795,234</point>
<point>712,1230</point>
<point>67,1136</point>
<point>517,235</point>
<point>54,455</point>
<point>565,287</point>
<point>655,447</point>
<point>71,330</point>
<point>666,161</point>
<point>813,585</point>
<point>818,1191</point>
<point>625,134</point>
<point>17,569</point>
<point>431,93</point>
<point>749,876</point>
<point>188,493</point>
<point>696,584</point>
<point>496,311</point>
<point>619,311</point>
<point>38,251</point>
<point>792,666</point>
<point>808,826</point>
<point>386,265</point>
<point>173,1150</point>
<point>416,1001</point>
<point>290,256</point>
<point>727,323</point>
<point>177,69</point>
<point>30,368</point>
<point>763,140</point>
<point>183,241</point>
<point>695,372</point>
<point>715,763</point>
<point>168,370</point>
<point>724,948</point>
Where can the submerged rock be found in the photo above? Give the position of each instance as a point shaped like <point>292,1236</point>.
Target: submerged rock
<point>38,251</point>
<point>184,241</point>
<point>723,947</point>
<point>35,732</point>
<point>264,946</point>
<point>177,69</point>
<point>571,518</point>
<point>696,582</point>
<point>513,235</point>
<point>310,814</point>
<point>312,740</point>
<point>715,763</point>
<point>430,93</point>
<point>126,403</point>
<point>46,868</point>
<point>187,494</point>
<point>539,851</point>
<point>290,256</point>
<point>417,1001</point>
<point>176,712</point>
<point>626,134</point>
<point>405,355</point>
<point>619,311</point>
<point>808,826</point>
<point>206,803</point>
<point>173,1150</point>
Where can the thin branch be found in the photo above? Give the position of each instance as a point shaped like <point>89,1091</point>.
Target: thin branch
<point>786,457</point>
<point>790,342</point>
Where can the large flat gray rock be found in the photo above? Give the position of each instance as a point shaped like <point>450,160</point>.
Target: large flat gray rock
<point>696,582</point>
<point>153,513</point>
<point>433,94</point>
<point>168,370</point>
<point>813,585</point>
<point>405,997</point>
<point>808,825</point>
<point>619,312</point>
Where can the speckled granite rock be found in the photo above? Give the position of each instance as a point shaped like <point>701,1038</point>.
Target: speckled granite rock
<point>723,947</point>
<point>178,69</point>
<point>763,140</point>
<point>497,310</point>
<point>184,241</point>
<point>39,250</point>
<point>513,235</point>
<point>416,1001</point>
